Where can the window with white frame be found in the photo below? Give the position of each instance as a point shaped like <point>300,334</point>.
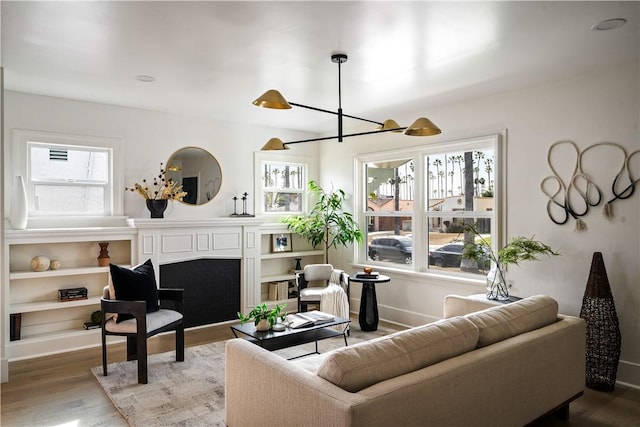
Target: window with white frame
<point>69,175</point>
<point>281,183</point>
<point>416,204</point>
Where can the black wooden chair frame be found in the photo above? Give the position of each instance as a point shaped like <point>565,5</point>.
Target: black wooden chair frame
<point>137,342</point>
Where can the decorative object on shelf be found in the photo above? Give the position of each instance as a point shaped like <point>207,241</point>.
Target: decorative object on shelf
<point>244,205</point>
<point>562,195</point>
<point>156,196</point>
<point>40,263</point>
<point>327,223</point>
<point>264,317</point>
<point>274,99</point>
<point>298,265</point>
<point>281,242</point>
<point>15,324</point>
<point>157,207</point>
<point>235,205</point>
<point>72,294</point>
<point>54,264</point>
<point>518,249</point>
<point>603,330</point>
<point>103,258</point>
<point>18,215</point>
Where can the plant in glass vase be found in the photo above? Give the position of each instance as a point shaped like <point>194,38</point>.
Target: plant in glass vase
<point>159,192</point>
<point>517,250</point>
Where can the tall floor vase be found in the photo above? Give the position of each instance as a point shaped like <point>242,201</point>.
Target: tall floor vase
<point>603,330</point>
<point>18,213</point>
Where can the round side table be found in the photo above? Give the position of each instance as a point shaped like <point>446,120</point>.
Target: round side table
<point>368,317</point>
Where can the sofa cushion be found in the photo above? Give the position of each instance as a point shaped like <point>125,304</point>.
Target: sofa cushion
<point>505,321</point>
<point>358,366</point>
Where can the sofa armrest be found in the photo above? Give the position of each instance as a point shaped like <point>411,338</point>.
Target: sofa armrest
<point>262,388</point>
<point>456,305</point>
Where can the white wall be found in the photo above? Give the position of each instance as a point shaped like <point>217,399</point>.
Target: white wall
<point>150,138</point>
<point>603,106</point>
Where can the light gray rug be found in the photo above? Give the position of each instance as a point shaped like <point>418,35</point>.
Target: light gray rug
<point>189,393</point>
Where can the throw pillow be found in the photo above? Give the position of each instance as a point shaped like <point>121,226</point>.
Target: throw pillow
<point>137,284</point>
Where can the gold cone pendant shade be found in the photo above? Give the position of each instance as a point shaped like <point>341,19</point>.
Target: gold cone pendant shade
<point>390,124</point>
<point>422,127</point>
<point>272,99</point>
<point>274,144</point>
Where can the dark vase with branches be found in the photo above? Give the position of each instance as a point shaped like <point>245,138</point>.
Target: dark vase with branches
<point>327,225</point>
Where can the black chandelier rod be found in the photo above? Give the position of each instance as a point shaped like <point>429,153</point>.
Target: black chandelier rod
<point>333,112</point>
<point>324,138</point>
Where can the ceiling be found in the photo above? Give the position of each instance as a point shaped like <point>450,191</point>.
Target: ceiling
<point>211,59</point>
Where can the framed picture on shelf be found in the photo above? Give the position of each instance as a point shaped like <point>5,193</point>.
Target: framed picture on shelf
<point>281,242</point>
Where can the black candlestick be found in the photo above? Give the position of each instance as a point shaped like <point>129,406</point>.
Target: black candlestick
<point>235,200</point>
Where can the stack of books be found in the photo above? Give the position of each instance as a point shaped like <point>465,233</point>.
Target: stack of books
<point>72,294</point>
<point>372,275</point>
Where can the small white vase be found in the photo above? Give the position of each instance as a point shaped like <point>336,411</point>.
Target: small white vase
<point>497,288</point>
<point>18,214</point>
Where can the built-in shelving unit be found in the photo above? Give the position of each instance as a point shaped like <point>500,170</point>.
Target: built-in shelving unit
<point>278,266</point>
<point>47,325</point>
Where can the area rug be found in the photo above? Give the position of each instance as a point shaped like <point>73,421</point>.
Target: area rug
<point>189,393</point>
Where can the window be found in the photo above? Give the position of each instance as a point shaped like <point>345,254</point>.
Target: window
<point>417,202</point>
<point>281,183</point>
<point>282,186</point>
<point>68,175</point>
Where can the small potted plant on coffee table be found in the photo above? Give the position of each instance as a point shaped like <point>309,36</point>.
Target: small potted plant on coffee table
<point>264,317</point>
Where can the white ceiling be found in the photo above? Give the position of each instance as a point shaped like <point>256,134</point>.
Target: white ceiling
<point>212,59</point>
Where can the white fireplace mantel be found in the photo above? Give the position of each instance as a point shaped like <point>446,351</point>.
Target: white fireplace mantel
<point>166,241</point>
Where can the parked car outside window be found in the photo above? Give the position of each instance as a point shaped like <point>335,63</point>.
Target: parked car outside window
<point>450,255</point>
<point>392,248</point>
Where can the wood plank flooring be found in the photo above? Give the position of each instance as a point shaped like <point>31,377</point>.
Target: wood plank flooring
<point>60,390</point>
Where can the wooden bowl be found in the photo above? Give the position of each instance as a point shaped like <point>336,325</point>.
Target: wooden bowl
<point>368,270</point>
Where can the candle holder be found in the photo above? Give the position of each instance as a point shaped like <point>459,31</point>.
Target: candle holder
<point>244,206</point>
<point>235,202</point>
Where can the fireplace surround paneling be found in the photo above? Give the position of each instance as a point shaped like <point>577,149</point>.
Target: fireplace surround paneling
<point>166,241</point>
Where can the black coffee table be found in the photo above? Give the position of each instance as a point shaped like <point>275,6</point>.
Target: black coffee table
<point>276,340</point>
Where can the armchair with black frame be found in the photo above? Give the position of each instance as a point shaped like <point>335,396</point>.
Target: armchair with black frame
<point>133,320</point>
<point>325,275</point>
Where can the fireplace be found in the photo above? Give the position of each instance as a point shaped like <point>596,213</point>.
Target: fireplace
<point>211,289</point>
<point>216,261</point>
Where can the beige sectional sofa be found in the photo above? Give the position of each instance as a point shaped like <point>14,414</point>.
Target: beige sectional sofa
<point>506,365</point>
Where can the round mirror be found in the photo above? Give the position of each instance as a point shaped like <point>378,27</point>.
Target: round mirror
<point>198,172</point>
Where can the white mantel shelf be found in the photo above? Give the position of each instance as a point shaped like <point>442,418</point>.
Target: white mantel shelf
<point>191,223</point>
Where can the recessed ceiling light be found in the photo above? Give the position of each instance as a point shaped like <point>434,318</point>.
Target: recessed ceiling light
<point>609,24</point>
<point>145,78</point>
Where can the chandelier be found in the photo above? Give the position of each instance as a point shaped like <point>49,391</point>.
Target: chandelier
<point>274,99</point>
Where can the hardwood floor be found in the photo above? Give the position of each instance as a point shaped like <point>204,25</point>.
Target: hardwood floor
<point>60,390</point>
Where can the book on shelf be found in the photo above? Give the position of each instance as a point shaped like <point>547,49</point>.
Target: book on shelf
<point>91,325</point>
<point>72,294</point>
<point>278,291</point>
<point>308,318</point>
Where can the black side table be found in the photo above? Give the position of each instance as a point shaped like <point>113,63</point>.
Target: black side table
<point>368,317</point>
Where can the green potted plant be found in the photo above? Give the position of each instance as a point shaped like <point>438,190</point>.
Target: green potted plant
<point>518,249</point>
<point>326,224</point>
<point>264,317</point>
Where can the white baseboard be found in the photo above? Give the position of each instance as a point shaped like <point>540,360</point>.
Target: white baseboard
<point>628,374</point>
